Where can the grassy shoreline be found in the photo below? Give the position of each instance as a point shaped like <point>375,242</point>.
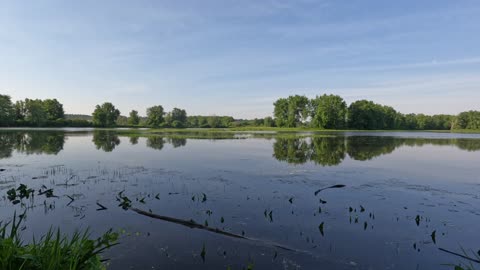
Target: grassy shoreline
<point>237,129</point>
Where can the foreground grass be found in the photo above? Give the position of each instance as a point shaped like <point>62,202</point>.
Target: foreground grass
<point>53,251</point>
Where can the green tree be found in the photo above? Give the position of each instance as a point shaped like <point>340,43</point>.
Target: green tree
<point>36,114</point>
<point>329,112</point>
<point>133,118</point>
<point>7,112</point>
<point>214,121</point>
<point>155,116</point>
<point>298,110</point>
<point>268,122</point>
<point>280,112</point>
<point>20,110</point>
<point>105,115</point>
<point>53,109</point>
<point>468,120</point>
<point>177,118</point>
<point>364,114</point>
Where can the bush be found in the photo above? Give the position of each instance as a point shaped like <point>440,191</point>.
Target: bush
<point>53,251</point>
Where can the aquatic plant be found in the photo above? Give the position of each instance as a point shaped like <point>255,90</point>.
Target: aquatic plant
<point>53,251</point>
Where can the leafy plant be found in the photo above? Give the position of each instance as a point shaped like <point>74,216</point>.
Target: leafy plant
<point>53,251</point>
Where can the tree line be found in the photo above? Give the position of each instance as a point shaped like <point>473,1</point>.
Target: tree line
<point>332,112</point>
<point>321,112</point>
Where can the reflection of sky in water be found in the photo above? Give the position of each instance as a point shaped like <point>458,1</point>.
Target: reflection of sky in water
<point>242,178</point>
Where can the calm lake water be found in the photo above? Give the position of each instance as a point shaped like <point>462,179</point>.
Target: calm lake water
<point>399,188</point>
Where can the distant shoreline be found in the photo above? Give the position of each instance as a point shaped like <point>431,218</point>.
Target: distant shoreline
<point>242,129</point>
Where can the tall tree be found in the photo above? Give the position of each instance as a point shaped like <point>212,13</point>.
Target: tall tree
<point>329,112</point>
<point>268,122</point>
<point>298,110</point>
<point>177,118</point>
<point>105,115</point>
<point>280,112</point>
<point>155,116</point>
<point>35,112</point>
<point>133,118</point>
<point>20,110</point>
<point>7,112</point>
<point>53,109</point>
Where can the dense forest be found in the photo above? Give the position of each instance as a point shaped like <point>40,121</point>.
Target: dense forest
<point>321,112</point>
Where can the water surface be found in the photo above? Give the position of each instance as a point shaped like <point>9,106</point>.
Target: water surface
<point>399,188</point>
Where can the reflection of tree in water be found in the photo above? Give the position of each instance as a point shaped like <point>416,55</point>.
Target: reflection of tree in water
<point>177,142</point>
<point>330,151</point>
<point>327,151</point>
<point>291,150</point>
<point>134,140</point>
<point>366,148</point>
<point>36,142</point>
<point>469,145</point>
<point>7,141</point>
<point>105,140</point>
<point>155,142</point>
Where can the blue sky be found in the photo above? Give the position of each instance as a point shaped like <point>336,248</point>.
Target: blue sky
<point>236,57</point>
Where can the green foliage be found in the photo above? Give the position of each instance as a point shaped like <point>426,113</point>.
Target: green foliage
<point>105,115</point>
<point>292,111</point>
<point>53,251</point>
<point>133,118</point>
<point>36,113</point>
<point>7,111</point>
<point>155,116</point>
<point>268,122</point>
<point>468,120</point>
<point>53,109</point>
<point>364,114</point>
<point>199,121</point>
<point>177,118</point>
<point>328,112</point>
<point>280,112</point>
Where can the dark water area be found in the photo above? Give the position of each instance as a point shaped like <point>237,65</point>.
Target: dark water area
<point>397,197</point>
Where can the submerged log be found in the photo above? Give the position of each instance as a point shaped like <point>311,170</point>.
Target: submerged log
<point>193,225</point>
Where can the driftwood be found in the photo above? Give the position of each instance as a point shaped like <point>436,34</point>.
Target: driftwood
<point>335,186</point>
<point>459,255</point>
<point>193,225</point>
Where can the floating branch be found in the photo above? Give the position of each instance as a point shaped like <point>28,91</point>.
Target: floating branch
<point>335,186</point>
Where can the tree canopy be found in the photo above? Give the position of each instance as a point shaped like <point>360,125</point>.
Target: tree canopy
<point>133,118</point>
<point>7,112</point>
<point>105,115</point>
<point>155,116</point>
<point>328,112</point>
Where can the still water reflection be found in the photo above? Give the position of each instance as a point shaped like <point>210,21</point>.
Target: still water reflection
<point>393,191</point>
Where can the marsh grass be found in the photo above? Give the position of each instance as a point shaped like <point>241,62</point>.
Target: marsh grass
<point>53,251</point>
